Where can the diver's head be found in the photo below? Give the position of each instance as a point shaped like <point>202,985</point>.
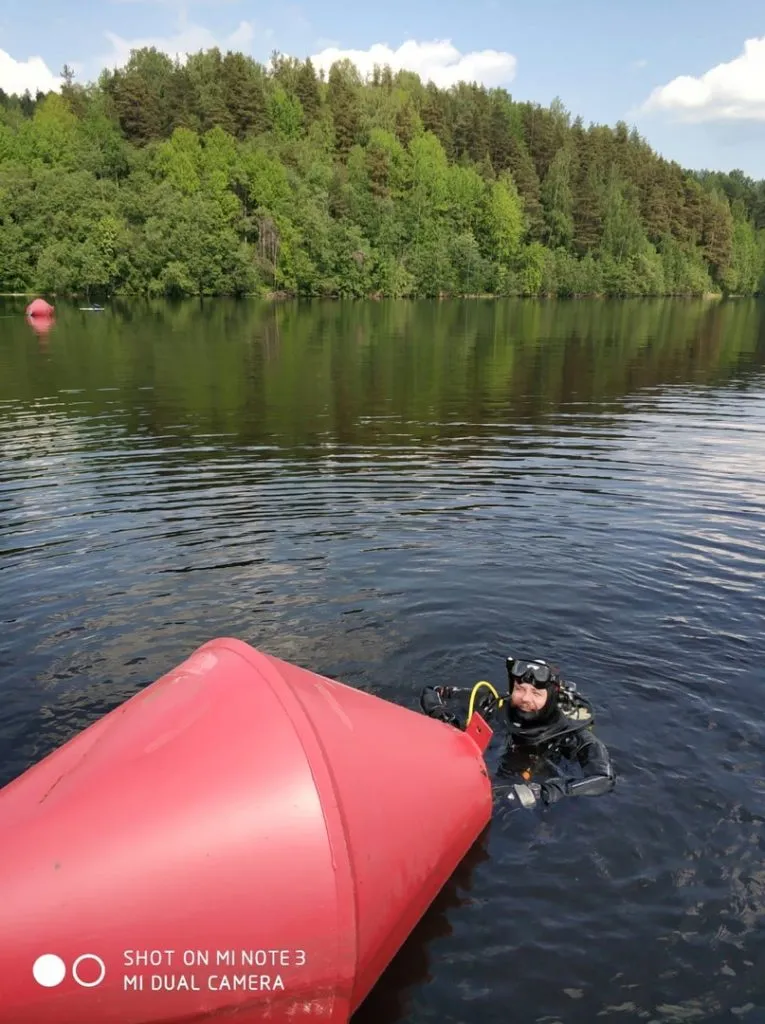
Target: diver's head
<point>533,691</point>
<point>528,696</point>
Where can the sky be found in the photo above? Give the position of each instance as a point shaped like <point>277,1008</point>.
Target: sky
<point>688,74</point>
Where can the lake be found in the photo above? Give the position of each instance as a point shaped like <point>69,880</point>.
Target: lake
<point>402,493</point>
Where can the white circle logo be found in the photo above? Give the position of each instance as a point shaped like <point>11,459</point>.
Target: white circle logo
<point>49,970</point>
<point>101,974</point>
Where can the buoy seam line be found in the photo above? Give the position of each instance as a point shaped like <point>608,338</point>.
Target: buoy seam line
<point>345,832</point>
<point>50,789</point>
<point>67,771</point>
<point>120,709</point>
<point>244,656</point>
<point>341,815</point>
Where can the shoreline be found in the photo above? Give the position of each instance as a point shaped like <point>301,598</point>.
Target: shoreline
<point>379,297</point>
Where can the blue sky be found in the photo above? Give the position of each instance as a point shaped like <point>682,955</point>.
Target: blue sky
<point>689,75</point>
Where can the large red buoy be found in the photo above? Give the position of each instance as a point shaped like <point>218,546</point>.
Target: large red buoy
<point>41,309</point>
<point>242,837</point>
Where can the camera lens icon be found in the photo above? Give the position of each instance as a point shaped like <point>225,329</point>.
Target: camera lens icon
<point>49,970</point>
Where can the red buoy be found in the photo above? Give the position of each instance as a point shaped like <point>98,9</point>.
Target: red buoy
<point>41,309</point>
<point>241,837</point>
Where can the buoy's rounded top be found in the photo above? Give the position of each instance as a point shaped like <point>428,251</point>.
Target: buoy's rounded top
<point>41,308</point>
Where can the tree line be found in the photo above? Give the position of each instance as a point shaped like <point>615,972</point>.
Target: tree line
<point>221,175</point>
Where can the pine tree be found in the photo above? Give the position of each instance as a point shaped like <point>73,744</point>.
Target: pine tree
<point>654,204</point>
<point>244,95</point>
<point>437,117</point>
<point>524,174</point>
<point>344,103</point>
<point>558,201</point>
<point>463,123</point>
<point>407,122</point>
<point>74,95</point>
<point>27,104</point>
<point>717,234</point>
<point>541,135</point>
<point>181,102</point>
<point>588,211</point>
<point>137,107</point>
<point>674,189</point>
<point>307,91</point>
<point>501,130</point>
<point>693,198</point>
<point>206,71</point>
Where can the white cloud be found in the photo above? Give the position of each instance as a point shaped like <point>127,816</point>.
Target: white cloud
<point>189,39</point>
<point>16,76</point>
<point>437,61</point>
<point>728,92</point>
<point>638,65</point>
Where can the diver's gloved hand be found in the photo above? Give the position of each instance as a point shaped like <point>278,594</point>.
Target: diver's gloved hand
<point>526,794</point>
<point>431,699</point>
<point>432,703</point>
<point>487,705</point>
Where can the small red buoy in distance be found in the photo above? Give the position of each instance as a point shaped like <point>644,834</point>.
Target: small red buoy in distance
<point>242,837</point>
<point>39,308</point>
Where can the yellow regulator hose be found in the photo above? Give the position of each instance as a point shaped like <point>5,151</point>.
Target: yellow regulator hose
<point>473,692</point>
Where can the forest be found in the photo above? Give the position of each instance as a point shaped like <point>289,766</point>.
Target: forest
<point>220,175</point>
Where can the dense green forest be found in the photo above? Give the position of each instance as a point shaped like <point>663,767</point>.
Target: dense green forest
<point>223,176</point>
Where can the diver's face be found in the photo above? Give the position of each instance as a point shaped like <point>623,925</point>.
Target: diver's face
<point>528,697</point>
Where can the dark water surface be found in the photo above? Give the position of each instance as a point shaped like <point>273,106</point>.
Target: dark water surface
<point>401,493</point>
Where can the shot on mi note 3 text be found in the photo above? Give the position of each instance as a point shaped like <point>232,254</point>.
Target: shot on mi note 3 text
<point>170,970</point>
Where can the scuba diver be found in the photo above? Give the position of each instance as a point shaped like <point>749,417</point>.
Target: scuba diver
<point>548,722</point>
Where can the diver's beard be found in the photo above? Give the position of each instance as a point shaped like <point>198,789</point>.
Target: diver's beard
<point>531,709</point>
<point>530,717</point>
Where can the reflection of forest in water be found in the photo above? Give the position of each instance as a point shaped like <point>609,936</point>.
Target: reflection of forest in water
<point>359,373</point>
<point>401,491</point>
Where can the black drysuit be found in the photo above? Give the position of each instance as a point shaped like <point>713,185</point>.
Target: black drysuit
<point>551,749</point>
